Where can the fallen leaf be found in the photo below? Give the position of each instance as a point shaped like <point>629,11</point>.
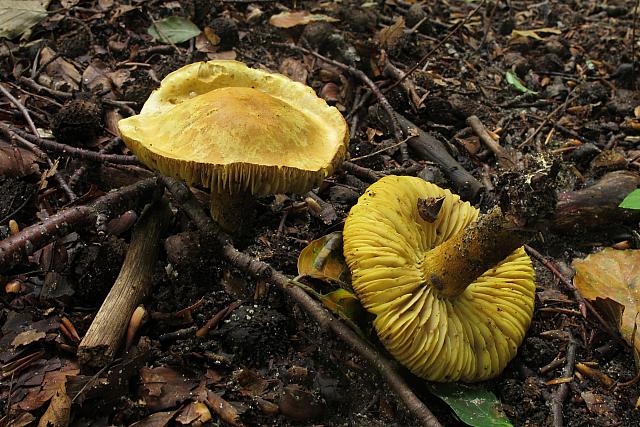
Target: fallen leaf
<point>514,81</point>
<point>18,16</point>
<point>323,259</point>
<point>27,337</point>
<point>16,161</point>
<point>60,74</point>
<point>58,414</point>
<point>534,33</point>
<point>301,17</point>
<point>389,37</point>
<point>294,69</point>
<point>174,29</point>
<point>163,388</point>
<point>613,274</point>
<point>475,405</point>
<point>224,409</point>
<point>159,419</point>
<point>196,413</point>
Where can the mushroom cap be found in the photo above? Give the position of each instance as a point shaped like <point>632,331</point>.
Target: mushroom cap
<point>232,128</point>
<point>470,337</point>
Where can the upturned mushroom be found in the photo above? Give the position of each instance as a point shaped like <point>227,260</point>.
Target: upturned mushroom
<point>239,131</point>
<point>450,303</point>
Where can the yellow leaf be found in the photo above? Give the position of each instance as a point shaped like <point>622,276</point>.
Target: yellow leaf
<point>322,259</point>
<point>613,275</point>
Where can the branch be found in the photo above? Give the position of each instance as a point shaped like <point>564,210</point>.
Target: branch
<point>262,270</point>
<point>15,248</point>
<point>107,330</point>
<point>68,150</point>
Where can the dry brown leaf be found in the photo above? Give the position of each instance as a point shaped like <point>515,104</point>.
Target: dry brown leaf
<point>27,337</point>
<point>61,74</point>
<point>391,36</point>
<point>58,413</point>
<point>16,161</point>
<point>301,17</point>
<point>613,274</point>
<point>195,414</point>
<point>294,69</point>
<point>224,409</point>
<point>38,396</point>
<point>159,419</point>
<point>164,388</point>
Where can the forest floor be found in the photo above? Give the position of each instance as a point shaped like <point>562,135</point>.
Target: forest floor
<point>548,80</point>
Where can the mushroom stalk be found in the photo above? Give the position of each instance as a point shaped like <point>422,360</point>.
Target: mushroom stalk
<point>457,262</point>
<point>231,211</point>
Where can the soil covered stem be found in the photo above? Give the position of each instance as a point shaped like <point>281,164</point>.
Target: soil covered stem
<point>459,261</point>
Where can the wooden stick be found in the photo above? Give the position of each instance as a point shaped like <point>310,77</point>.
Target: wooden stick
<point>597,205</point>
<point>106,333</point>
<point>503,156</point>
<point>426,147</point>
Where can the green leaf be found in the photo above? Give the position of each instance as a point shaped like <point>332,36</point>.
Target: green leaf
<point>18,16</point>
<point>514,81</point>
<point>173,29</point>
<point>474,405</point>
<point>322,259</point>
<point>632,201</point>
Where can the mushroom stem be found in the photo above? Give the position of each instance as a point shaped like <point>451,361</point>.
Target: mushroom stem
<point>231,211</point>
<point>459,261</point>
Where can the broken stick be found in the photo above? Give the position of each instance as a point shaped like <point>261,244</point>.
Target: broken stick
<point>426,147</point>
<point>106,333</point>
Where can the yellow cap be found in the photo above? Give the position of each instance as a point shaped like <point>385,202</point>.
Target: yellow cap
<point>232,128</point>
<point>470,337</point>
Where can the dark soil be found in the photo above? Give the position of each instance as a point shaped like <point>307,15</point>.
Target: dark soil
<point>93,63</point>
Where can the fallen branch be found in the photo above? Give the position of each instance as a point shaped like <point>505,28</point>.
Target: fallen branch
<point>15,248</point>
<point>597,205</point>
<point>68,150</point>
<point>426,147</point>
<point>361,172</point>
<point>262,270</point>
<point>107,330</point>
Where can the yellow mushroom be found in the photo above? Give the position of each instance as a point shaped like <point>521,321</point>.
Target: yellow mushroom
<point>238,131</point>
<point>443,319</point>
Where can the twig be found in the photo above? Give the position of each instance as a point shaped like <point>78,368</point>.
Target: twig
<point>397,131</point>
<point>382,150</point>
<point>562,393</point>
<point>584,304</point>
<point>546,119</point>
<point>262,270</point>
<point>78,174</point>
<point>505,159</point>
<point>40,88</point>
<point>108,328</point>
<point>20,107</point>
<point>424,59</point>
<point>633,42</point>
<point>14,248</point>
<point>25,113</point>
<point>68,150</point>
<point>361,172</point>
